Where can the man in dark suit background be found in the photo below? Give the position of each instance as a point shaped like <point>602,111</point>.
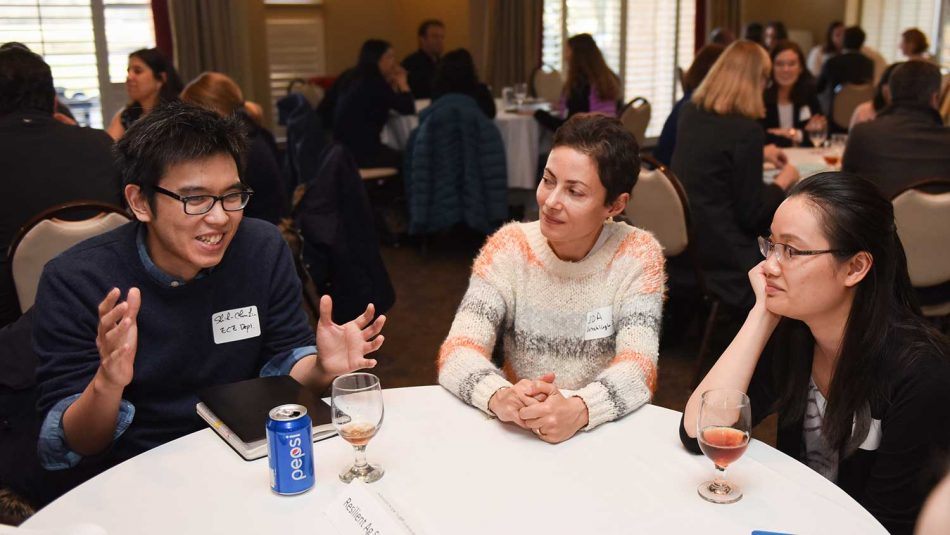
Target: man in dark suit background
<point>421,63</point>
<point>849,67</point>
<point>44,162</point>
<point>907,141</point>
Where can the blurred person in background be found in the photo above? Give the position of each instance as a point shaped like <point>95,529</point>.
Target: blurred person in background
<point>834,42</point>
<point>222,95</point>
<point>456,74</point>
<point>374,87</point>
<point>590,87</point>
<point>867,111</point>
<point>703,61</point>
<point>774,33</point>
<point>791,101</point>
<point>421,64</point>
<point>151,80</point>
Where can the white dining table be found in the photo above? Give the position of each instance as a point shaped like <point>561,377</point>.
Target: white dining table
<point>523,137</point>
<point>809,161</point>
<point>452,469</point>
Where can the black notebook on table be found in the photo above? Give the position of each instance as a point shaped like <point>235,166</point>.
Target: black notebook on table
<point>238,411</point>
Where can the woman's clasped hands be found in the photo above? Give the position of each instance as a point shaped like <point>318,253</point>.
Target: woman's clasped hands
<point>539,406</point>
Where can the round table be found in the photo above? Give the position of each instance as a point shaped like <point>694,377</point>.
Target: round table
<point>454,470</point>
<point>523,137</point>
<point>808,161</point>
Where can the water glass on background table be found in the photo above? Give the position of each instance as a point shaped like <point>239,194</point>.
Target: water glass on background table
<point>817,133</point>
<point>357,410</point>
<point>521,94</point>
<point>723,430</point>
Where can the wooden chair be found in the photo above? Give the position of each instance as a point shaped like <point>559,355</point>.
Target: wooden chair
<point>546,83</point>
<point>636,117</point>
<point>659,204</point>
<point>847,98</point>
<point>47,235</point>
<point>923,224</point>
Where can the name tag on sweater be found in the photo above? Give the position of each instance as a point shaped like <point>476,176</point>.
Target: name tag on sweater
<point>804,114</point>
<point>600,323</point>
<point>235,324</point>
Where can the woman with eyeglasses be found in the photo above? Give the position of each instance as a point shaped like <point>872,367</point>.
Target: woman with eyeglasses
<point>837,346</point>
<point>262,173</point>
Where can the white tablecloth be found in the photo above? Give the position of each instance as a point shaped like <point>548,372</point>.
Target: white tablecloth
<point>808,161</point>
<point>451,469</point>
<point>523,137</point>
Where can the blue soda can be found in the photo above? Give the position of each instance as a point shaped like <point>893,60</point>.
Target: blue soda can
<point>290,449</point>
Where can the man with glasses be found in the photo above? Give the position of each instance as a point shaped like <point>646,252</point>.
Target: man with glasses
<point>131,324</point>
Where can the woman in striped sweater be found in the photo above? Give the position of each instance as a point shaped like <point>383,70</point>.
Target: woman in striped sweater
<point>575,297</point>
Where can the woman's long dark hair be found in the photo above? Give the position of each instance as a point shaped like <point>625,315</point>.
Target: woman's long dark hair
<point>829,46</point>
<point>805,84</point>
<point>367,64</point>
<point>171,82</point>
<point>589,68</point>
<point>855,217</point>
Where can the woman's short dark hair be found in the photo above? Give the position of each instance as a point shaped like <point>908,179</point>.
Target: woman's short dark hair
<point>176,133</point>
<point>171,83</point>
<point>703,61</point>
<point>455,73</point>
<point>611,146</point>
<point>753,32</point>
<point>26,82</point>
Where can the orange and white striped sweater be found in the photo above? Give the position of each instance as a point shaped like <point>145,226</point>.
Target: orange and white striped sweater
<point>594,323</point>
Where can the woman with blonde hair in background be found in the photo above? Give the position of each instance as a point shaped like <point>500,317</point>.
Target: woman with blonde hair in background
<point>219,93</point>
<point>719,157</point>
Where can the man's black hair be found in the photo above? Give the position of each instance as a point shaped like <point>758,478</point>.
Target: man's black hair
<point>26,82</point>
<point>853,38</point>
<point>914,81</point>
<point>176,133</point>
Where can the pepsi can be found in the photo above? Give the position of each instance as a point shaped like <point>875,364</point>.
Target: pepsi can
<point>290,449</point>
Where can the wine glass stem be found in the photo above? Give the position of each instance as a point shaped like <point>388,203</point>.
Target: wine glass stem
<point>720,485</point>
<point>360,456</point>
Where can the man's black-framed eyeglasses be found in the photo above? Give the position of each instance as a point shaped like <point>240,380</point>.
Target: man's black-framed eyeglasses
<point>202,204</point>
<point>785,252</point>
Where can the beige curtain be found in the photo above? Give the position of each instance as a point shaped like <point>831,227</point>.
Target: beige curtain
<point>209,36</point>
<point>510,45</point>
<point>724,14</point>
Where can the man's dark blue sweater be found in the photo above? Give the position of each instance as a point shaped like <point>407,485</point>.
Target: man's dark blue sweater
<point>177,354</point>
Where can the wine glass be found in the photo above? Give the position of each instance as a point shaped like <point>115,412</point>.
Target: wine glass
<point>817,133</point>
<point>521,93</point>
<point>835,150</point>
<point>357,410</point>
<point>723,429</point>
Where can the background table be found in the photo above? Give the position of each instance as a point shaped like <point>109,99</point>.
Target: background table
<point>808,161</point>
<point>453,470</point>
<point>523,137</point>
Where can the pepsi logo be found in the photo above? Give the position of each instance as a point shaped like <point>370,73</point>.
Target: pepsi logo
<point>296,452</point>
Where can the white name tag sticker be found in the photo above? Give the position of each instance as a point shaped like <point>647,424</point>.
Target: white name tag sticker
<point>600,323</point>
<point>804,114</point>
<point>235,324</point>
<point>359,511</point>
